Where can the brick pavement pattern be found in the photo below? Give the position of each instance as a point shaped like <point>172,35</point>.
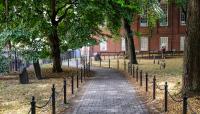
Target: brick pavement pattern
<point>109,93</point>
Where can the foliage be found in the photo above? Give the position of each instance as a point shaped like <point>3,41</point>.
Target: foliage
<point>116,10</point>
<point>4,66</point>
<point>154,12</point>
<point>182,4</point>
<point>30,22</point>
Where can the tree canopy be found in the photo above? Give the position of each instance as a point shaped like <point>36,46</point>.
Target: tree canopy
<point>50,27</point>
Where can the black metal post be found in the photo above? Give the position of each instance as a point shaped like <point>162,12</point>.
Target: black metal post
<point>166,100</point>
<point>76,62</point>
<point>77,79</point>
<point>53,100</point>
<point>33,109</point>
<point>90,61</point>
<point>147,82</point>
<point>137,74</point>
<point>86,60</point>
<point>117,63</point>
<point>100,62</point>
<point>154,61</point>
<point>133,71</point>
<point>65,91</point>
<point>164,65</point>
<point>81,75</point>
<point>84,71</point>
<point>16,60</point>
<point>109,62</point>
<point>89,65</point>
<point>140,77</point>
<point>185,104</point>
<point>68,62</point>
<point>124,65</point>
<point>128,68</point>
<point>72,84</point>
<point>154,87</point>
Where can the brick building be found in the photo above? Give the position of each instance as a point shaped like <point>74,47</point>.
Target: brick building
<point>170,32</point>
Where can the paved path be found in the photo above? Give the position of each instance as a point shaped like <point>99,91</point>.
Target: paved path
<point>109,93</point>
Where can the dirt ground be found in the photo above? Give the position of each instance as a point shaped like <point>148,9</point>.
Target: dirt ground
<point>15,98</point>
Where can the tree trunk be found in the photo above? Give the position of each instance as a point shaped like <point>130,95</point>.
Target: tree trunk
<point>54,40</point>
<point>126,47</point>
<point>130,35</point>
<point>9,42</point>
<point>37,69</point>
<point>55,50</point>
<point>191,77</point>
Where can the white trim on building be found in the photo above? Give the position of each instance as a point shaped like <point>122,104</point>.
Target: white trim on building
<point>164,42</point>
<point>182,43</point>
<point>144,44</point>
<point>164,20</point>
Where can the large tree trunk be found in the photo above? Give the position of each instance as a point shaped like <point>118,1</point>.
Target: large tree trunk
<point>191,78</point>
<point>55,51</point>
<point>37,69</point>
<point>126,47</point>
<point>130,35</point>
<point>54,40</point>
<point>9,42</point>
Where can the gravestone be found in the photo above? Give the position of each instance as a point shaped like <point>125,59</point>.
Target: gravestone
<point>97,57</point>
<point>23,77</point>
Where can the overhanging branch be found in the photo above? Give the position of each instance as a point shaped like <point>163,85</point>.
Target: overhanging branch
<point>65,14</point>
<point>100,32</point>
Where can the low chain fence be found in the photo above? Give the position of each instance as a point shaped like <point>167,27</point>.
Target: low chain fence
<point>53,101</point>
<point>144,80</point>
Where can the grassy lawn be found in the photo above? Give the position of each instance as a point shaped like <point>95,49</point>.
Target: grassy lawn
<point>172,73</point>
<point>15,98</point>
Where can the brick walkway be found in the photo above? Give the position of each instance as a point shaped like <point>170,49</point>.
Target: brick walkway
<point>109,93</point>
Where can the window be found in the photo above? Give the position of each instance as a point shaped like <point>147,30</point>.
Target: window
<point>143,20</point>
<point>123,44</point>
<point>103,45</point>
<point>182,41</point>
<point>182,18</point>
<point>164,42</point>
<point>164,19</point>
<point>144,44</point>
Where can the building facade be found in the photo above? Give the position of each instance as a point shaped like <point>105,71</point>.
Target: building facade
<point>169,32</point>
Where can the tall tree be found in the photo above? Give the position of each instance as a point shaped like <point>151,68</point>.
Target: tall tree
<point>192,47</point>
<point>124,12</point>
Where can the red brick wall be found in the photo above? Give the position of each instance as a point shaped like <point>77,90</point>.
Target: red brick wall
<point>173,31</point>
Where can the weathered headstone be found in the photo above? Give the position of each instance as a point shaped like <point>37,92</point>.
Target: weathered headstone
<point>23,77</point>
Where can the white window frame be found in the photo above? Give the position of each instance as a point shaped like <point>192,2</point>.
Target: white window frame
<point>166,15</point>
<point>164,42</point>
<point>123,44</point>
<point>143,20</point>
<point>182,43</point>
<point>144,44</point>
<point>182,22</point>
<point>103,45</point>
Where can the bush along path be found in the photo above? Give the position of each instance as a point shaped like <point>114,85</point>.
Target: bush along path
<point>108,93</point>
